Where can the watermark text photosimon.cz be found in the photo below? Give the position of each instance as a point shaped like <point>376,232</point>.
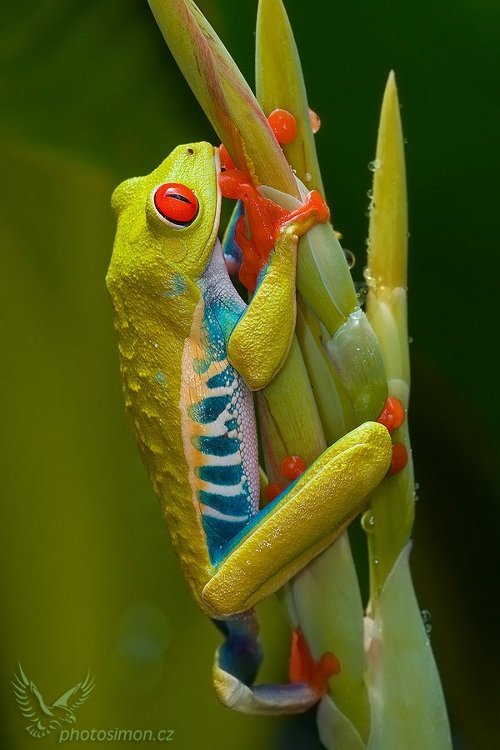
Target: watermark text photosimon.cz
<point>116,735</point>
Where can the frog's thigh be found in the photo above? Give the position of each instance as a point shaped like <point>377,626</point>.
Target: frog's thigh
<point>302,522</point>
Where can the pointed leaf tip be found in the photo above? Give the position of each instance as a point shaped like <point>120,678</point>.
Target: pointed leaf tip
<point>388,232</point>
<point>223,93</point>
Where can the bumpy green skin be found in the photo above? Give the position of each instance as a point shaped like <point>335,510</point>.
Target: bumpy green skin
<point>151,281</point>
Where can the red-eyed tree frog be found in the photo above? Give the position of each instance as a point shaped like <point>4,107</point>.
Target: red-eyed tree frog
<point>191,353</point>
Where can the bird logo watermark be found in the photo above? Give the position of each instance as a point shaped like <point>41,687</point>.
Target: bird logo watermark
<point>42,717</point>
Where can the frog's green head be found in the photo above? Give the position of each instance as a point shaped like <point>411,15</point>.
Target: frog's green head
<point>168,220</point>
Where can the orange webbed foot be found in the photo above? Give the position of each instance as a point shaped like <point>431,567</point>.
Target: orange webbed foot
<point>303,668</point>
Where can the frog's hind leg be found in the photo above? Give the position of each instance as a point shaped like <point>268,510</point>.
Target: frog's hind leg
<point>300,523</point>
<point>241,652</point>
<point>235,668</point>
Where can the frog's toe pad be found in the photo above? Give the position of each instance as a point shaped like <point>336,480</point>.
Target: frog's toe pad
<point>303,668</point>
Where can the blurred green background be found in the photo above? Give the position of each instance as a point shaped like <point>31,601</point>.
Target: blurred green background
<point>89,96</point>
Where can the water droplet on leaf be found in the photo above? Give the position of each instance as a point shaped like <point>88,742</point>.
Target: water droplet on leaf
<point>368,522</point>
<point>361,292</point>
<point>350,257</point>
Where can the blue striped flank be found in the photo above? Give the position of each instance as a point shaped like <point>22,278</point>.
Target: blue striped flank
<point>219,533</point>
<point>234,505</point>
<point>221,379</point>
<point>209,408</point>
<point>220,445</point>
<point>222,475</point>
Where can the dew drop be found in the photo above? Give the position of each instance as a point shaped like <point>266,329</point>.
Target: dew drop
<point>361,288</point>
<point>350,257</point>
<point>426,618</point>
<point>315,121</point>
<point>374,165</point>
<point>308,177</point>
<point>368,522</point>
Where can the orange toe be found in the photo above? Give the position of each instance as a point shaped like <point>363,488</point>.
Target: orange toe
<point>303,668</point>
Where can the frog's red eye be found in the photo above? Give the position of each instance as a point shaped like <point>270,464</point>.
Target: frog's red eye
<point>176,203</point>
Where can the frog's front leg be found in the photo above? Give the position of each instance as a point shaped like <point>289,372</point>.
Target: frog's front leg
<point>260,341</point>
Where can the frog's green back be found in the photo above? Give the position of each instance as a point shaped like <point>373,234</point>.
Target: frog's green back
<point>151,282</point>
